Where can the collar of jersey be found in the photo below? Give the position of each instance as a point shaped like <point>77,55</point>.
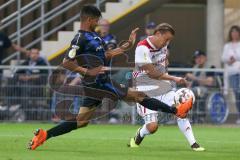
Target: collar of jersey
<point>85,31</point>
<point>153,47</point>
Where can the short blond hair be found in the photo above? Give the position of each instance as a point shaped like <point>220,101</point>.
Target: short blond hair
<point>163,28</point>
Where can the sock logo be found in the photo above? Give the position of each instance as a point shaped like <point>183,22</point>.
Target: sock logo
<point>188,128</point>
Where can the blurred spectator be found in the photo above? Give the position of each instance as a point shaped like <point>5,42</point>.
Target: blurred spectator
<point>34,59</point>
<point>149,29</point>
<point>109,39</point>
<point>72,79</point>
<point>6,43</point>
<point>31,81</point>
<point>231,59</point>
<point>27,53</point>
<point>200,83</point>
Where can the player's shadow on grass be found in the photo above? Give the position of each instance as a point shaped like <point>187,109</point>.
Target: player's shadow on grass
<point>166,149</point>
<point>65,150</point>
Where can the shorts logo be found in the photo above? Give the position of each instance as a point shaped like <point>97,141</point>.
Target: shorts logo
<point>135,74</point>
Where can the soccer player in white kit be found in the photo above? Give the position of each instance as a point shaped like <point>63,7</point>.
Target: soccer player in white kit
<point>150,52</point>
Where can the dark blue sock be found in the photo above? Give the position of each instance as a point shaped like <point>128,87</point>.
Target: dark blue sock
<point>62,128</point>
<point>156,105</point>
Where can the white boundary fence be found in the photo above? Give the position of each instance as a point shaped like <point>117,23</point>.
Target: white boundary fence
<point>9,72</point>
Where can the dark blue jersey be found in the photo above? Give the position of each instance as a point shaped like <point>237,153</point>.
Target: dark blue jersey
<point>110,41</point>
<point>87,48</point>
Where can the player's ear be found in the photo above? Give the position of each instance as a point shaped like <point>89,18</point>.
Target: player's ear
<point>157,33</point>
<point>88,19</point>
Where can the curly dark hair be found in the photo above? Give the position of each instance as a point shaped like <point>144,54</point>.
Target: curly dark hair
<point>90,11</point>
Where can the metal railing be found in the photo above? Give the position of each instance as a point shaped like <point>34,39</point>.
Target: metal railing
<point>36,101</point>
<point>38,23</point>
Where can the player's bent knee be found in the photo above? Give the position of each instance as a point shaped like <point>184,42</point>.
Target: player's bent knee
<point>152,127</point>
<point>81,124</point>
<point>139,96</point>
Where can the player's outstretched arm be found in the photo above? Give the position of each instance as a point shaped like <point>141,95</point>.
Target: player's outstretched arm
<point>155,73</point>
<point>124,46</point>
<point>21,49</point>
<point>72,66</point>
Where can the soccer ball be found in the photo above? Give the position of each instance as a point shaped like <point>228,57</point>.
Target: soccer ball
<point>182,95</point>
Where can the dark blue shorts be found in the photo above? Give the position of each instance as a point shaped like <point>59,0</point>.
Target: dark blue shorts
<point>107,89</point>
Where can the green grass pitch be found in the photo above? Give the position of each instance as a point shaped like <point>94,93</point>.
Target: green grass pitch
<point>108,142</point>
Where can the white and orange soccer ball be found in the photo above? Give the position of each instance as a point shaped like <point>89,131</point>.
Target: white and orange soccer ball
<point>182,95</point>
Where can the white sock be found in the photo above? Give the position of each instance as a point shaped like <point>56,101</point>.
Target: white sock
<point>186,128</point>
<point>144,131</point>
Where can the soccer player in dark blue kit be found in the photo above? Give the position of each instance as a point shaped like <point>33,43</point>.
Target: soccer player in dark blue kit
<point>87,56</point>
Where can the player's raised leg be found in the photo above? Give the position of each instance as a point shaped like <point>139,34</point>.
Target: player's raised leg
<point>81,120</point>
<point>154,104</point>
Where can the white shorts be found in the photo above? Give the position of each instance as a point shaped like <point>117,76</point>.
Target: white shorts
<point>152,87</point>
<point>150,115</point>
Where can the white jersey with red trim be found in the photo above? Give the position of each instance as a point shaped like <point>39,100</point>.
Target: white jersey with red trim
<point>147,53</point>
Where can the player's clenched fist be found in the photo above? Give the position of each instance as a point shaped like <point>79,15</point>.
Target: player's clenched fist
<point>180,80</point>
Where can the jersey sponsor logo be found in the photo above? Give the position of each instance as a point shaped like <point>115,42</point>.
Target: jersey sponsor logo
<point>161,60</point>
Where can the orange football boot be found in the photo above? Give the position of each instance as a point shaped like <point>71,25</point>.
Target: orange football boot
<point>39,138</point>
<point>184,108</point>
